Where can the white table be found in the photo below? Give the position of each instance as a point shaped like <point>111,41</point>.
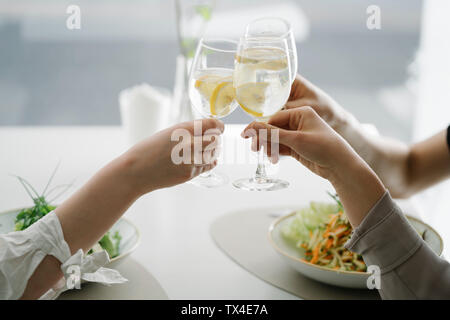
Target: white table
<point>176,246</point>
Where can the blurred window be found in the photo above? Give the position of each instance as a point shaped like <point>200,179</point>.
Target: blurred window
<point>50,75</point>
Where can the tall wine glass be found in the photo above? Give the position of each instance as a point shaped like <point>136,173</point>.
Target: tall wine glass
<point>276,27</point>
<point>211,89</point>
<point>262,83</point>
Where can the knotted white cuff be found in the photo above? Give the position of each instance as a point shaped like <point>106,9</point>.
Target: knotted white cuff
<point>21,252</point>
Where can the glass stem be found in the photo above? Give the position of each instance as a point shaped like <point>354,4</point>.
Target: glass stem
<point>260,174</point>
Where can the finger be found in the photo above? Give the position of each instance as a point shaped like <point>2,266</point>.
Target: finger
<point>297,103</point>
<point>298,88</point>
<point>274,158</point>
<point>212,126</point>
<point>248,131</point>
<point>200,127</point>
<point>252,129</point>
<point>210,156</point>
<point>215,153</point>
<point>211,147</point>
<point>211,141</point>
<point>266,133</point>
<point>271,151</point>
<point>275,150</point>
<point>206,142</point>
<point>293,119</point>
<point>255,144</point>
<point>204,151</point>
<point>281,119</point>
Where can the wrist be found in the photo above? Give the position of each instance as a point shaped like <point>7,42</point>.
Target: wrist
<point>345,123</point>
<point>347,165</point>
<point>358,187</point>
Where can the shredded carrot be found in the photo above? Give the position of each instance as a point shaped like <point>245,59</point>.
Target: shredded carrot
<point>315,254</point>
<point>340,231</point>
<point>326,247</point>
<point>329,243</point>
<point>333,220</point>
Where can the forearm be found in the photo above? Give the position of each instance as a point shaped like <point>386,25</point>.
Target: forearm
<point>428,163</point>
<point>90,212</point>
<point>389,158</point>
<point>85,218</point>
<point>357,186</point>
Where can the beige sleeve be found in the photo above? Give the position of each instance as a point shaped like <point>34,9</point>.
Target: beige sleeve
<point>409,268</point>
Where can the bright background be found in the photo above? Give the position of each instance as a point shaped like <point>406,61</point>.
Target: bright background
<point>50,75</point>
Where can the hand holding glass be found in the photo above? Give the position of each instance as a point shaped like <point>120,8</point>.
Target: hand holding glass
<point>211,89</point>
<point>262,83</point>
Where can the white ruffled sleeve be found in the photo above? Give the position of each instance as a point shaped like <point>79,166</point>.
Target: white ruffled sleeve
<point>21,252</point>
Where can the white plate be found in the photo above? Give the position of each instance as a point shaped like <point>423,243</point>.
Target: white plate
<point>349,279</point>
<point>127,230</point>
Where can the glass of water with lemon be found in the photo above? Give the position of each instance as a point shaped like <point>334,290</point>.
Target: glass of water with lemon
<point>262,84</point>
<point>276,27</point>
<point>211,89</point>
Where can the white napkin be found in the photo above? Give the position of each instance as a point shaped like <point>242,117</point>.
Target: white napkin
<point>144,110</point>
<point>90,268</point>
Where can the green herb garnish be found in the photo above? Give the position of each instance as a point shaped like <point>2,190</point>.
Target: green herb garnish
<point>111,243</point>
<point>41,207</point>
<point>28,216</point>
<point>338,201</point>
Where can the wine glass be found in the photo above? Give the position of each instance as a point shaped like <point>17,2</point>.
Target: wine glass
<point>211,89</point>
<point>276,27</point>
<point>262,83</point>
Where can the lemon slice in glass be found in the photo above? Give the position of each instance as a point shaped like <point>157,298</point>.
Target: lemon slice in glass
<point>218,90</point>
<point>221,99</point>
<point>251,97</point>
<point>206,84</point>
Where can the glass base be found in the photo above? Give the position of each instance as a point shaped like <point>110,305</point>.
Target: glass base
<point>267,184</point>
<point>210,180</point>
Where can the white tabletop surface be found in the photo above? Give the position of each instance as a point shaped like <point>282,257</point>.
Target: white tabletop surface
<point>176,246</point>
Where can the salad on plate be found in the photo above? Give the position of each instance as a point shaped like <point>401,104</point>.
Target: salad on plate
<point>320,231</point>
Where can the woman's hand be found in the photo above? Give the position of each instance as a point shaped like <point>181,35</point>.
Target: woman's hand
<point>307,138</point>
<point>174,155</point>
<point>304,135</point>
<point>304,93</point>
<point>404,169</point>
